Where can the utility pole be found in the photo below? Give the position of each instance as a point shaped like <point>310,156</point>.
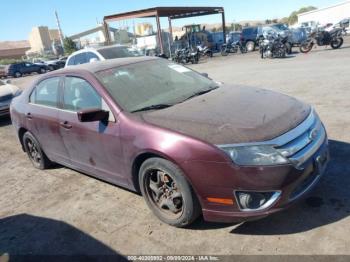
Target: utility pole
<point>59,29</point>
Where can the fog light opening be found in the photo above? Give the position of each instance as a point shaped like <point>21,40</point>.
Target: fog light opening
<point>255,201</point>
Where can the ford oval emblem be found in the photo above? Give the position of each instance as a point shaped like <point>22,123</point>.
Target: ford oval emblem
<point>313,134</point>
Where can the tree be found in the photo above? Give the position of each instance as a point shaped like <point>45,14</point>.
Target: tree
<point>69,45</point>
<point>293,18</point>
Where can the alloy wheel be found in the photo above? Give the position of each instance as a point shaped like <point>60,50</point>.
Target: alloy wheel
<point>34,152</point>
<point>164,193</point>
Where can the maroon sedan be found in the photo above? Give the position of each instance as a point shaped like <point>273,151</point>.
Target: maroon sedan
<point>191,145</point>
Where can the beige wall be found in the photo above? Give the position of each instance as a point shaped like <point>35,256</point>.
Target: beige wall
<point>39,39</point>
<point>54,35</point>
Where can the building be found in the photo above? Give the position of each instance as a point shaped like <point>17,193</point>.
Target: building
<point>144,29</point>
<point>13,49</point>
<point>95,36</point>
<point>331,14</point>
<point>39,39</point>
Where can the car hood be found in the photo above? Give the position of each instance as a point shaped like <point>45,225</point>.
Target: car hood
<point>8,90</point>
<point>230,114</point>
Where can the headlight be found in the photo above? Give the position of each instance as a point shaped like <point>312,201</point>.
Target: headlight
<point>259,155</point>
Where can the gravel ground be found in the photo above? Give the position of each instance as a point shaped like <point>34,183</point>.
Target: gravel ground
<point>60,211</point>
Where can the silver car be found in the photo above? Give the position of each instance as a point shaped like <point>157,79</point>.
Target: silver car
<point>7,93</point>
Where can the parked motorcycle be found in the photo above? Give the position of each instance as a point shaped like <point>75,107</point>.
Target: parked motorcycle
<point>233,48</point>
<point>271,46</point>
<point>323,38</point>
<point>186,55</point>
<point>204,51</point>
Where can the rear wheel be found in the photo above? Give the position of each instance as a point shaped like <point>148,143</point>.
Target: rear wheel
<point>337,42</point>
<point>42,70</point>
<point>288,48</point>
<point>250,46</point>
<point>167,192</point>
<point>35,153</point>
<point>224,51</point>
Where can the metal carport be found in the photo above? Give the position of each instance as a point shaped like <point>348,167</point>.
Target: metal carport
<point>170,12</point>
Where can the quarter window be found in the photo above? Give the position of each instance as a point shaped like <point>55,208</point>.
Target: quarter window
<point>46,92</point>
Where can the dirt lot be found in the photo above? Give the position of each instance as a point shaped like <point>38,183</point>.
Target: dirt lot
<point>60,211</point>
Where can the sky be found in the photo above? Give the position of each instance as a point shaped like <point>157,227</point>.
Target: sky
<point>80,15</point>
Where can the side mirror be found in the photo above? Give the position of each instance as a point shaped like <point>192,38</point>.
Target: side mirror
<point>93,60</point>
<point>91,115</point>
<point>205,75</point>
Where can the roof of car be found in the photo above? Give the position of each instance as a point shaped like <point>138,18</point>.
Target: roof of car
<point>107,64</point>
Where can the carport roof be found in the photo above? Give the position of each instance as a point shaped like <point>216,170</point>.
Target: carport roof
<point>171,12</point>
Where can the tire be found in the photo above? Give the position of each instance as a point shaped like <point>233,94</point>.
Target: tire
<point>179,205</point>
<point>17,74</point>
<point>35,153</point>
<point>337,43</point>
<point>209,53</point>
<point>224,51</point>
<point>305,47</point>
<point>288,48</point>
<point>42,71</point>
<point>250,46</point>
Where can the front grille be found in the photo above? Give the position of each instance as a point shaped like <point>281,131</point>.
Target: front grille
<point>4,111</point>
<point>309,138</point>
<point>6,98</point>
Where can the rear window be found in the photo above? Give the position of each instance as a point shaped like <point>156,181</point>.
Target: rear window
<point>118,52</point>
<point>46,92</point>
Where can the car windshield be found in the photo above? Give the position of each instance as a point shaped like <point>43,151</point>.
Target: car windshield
<point>118,52</point>
<point>154,84</point>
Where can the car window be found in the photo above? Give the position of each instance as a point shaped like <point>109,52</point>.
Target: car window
<point>80,59</point>
<point>46,92</point>
<point>71,61</point>
<point>138,85</point>
<point>118,52</point>
<point>91,55</point>
<point>78,94</point>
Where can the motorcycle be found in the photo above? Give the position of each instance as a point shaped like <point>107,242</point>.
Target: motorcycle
<point>233,48</point>
<point>323,38</point>
<point>271,46</point>
<point>186,55</point>
<point>204,51</point>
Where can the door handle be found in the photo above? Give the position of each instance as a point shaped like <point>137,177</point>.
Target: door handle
<point>66,125</point>
<point>29,116</point>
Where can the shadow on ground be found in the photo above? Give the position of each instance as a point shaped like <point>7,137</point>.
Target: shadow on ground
<point>5,121</point>
<point>328,203</point>
<point>24,237</point>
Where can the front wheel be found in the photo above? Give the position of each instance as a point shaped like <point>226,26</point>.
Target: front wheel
<point>337,42</point>
<point>167,192</point>
<point>306,47</point>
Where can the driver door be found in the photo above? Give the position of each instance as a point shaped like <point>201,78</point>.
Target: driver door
<point>93,147</point>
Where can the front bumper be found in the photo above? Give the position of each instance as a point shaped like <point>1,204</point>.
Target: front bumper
<point>293,184</point>
<point>306,148</point>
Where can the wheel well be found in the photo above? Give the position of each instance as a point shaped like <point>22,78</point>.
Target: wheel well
<point>21,133</point>
<point>136,167</point>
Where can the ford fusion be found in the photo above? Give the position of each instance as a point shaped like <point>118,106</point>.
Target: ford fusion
<point>190,145</point>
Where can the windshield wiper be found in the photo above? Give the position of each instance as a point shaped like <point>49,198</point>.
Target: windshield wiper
<point>202,92</point>
<point>152,107</point>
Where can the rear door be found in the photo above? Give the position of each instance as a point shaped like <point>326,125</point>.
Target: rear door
<point>93,147</point>
<point>42,118</point>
